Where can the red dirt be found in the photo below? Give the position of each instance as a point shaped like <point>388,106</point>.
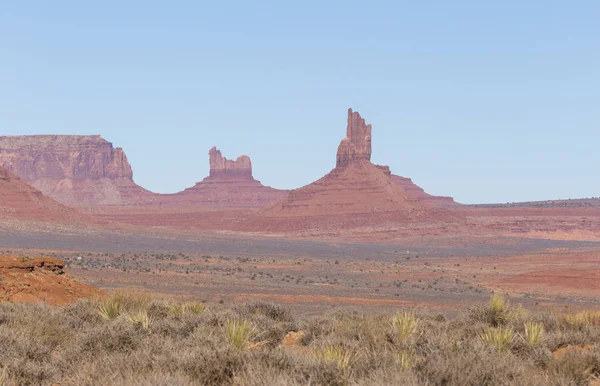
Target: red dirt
<point>40,280</point>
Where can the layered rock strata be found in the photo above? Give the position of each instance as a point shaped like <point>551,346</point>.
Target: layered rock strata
<point>74,170</point>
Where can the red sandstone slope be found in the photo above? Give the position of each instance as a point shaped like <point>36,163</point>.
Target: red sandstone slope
<point>21,201</point>
<point>74,170</point>
<point>355,186</point>
<point>417,192</point>
<point>230,184</point>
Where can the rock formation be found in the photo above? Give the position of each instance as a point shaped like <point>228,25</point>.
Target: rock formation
<point>357,144</point>
<point>355,193</point>
<point>230,184</point>
<point>72,169</point>
<point>21,201</point>
<point>417,192</point>
<point>40,280</point>
<point>224,169</point>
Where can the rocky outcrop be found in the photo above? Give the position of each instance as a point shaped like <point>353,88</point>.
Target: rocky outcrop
<point>357,144</point>
<point>417,192</point>
<point>40,280</point>
<point>21,201</point>
<point>72,169</point>
<point>230,184</point>
<point>224,169</point>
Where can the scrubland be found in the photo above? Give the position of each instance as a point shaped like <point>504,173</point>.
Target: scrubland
<point>133,339</point>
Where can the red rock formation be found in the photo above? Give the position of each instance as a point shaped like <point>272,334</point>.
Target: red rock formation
<point>224,169</point>
<point>40,280</point>
<point>417,192</point>
<point>74,170</point>
<point>355,186</point>
<point>357,144</point>
<point>21,201</point>
<point>229,185</point>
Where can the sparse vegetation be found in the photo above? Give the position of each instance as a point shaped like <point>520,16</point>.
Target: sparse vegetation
<point>239,333</point>
<point>144,342</point>
<point>534,332</point>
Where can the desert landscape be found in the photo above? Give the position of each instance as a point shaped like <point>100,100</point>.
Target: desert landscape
<point>343,254</point>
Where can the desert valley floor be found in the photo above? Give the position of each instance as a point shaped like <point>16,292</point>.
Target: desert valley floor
<point>440,273</point>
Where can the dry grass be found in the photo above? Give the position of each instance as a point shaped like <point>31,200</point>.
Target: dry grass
<point>148,342</point>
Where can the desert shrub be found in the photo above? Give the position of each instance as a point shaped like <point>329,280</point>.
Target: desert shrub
<point>148,345</point>
<point>496,313</point>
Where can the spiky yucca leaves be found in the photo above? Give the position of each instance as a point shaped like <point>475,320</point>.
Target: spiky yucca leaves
<point>338,355</point>
<point>239,333</point>
<point>177,309</point>
<point>500,337</point>
<point>120,302</point>
<point>583,318</point>
<point>534,332</point>
<point>110,308</point>
<point>140,317</point>
<point>404,324</point>
<point>406,359</point>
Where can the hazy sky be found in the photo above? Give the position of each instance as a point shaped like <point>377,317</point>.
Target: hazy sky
<point>485,101</point>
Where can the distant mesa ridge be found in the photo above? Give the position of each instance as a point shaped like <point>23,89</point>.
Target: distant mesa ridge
<point>86,170</point>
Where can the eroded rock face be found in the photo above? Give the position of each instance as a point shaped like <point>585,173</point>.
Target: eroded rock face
<point>357,144</point>
<point>223,168</point>
<point>72,169</point>
<point>230,184</point>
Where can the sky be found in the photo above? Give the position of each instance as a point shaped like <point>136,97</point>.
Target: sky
<point>484,101</point>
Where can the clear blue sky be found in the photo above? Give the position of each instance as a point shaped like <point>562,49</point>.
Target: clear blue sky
<point>486,101</point>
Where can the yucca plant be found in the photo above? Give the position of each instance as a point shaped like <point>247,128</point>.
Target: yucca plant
<point>501,338</point>
<point>110,307</point>
<point>582,318</point>
<point>239,333</point>
<point>140,317</point>
<point>404,325</point>
<point>341,357</point>
<point>498,310</point>
<point>406,358</point>
<point>534,332</point>
<point>195,308</point>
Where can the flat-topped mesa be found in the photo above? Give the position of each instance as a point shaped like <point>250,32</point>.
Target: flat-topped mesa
<point>357,144</point>
<point>222,168</point>
<point>75,157</point>
<point>72,169</point>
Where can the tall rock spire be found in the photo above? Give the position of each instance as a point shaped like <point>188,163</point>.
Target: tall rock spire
<point>357,144</point>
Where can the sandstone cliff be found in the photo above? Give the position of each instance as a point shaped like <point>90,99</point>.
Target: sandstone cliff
<point>72,169</point>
